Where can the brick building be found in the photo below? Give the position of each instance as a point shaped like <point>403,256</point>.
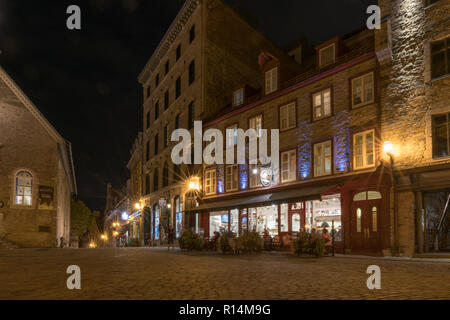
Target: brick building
<point>37,177</point>
<point>189,77</point>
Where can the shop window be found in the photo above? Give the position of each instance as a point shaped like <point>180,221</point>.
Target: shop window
<point>440,58</point>
<point>271,80</point>
<point>327,55</point>
<point>363,150</point>
<point>284,218</point>
<point>322,214</point>
<point>244,221</point>
<point>254,176</point>
<point>441,135</point>
<point>156,222</point>
<point>363,90</point>
<point>231,177</point>
<point>264,218</point>
<point>289,166</point>
<point>255,123</point>
<point>210,182</point>
<point>288,117</point>
<point>24,189</point>
<point>218,222</point>
<point>322,104</point>
<point>238,97</point>
<point>322,159</point>
<point>178,217</point>
<point>374,219</point>
<point>358,219</point>
<point>234,221</point>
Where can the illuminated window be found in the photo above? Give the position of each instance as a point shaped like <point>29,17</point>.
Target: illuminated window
<point>288,166</point>
<point>441,135</point>
<point>210,182</point>
<point>24,189</point>
<point>288,116</point>
<point>322,159</point>
<point>327,55</point>
<point>271,80</point>
<point>256,124</point>
<point>322,104</point>
<point>238,97</point>
<point>363,150</point>
<point>232,174</point>
<point>363,90</point>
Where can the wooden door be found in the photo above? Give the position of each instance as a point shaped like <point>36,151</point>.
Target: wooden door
<point>365,225</point>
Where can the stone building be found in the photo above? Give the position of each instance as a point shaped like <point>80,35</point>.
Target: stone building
<point>364,141</point>
<point>37,178</point>
<point>414,47</point>
<point>207,52</point>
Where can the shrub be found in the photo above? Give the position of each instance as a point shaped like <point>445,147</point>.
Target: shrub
<point>251,242</point>
<point>190,241</point>
<point>223,241</point>
<point>306,243</point>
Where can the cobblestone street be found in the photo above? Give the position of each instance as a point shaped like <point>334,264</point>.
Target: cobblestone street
<point>139,273</point>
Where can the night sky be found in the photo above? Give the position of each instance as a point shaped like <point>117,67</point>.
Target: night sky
<point>85,82</point>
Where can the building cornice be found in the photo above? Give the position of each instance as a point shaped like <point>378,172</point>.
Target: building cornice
<point>169,38</point>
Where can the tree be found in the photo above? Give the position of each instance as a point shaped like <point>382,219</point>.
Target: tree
<point>81,217</point>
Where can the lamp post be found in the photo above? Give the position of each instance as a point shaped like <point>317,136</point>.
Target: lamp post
<point>193,187</point>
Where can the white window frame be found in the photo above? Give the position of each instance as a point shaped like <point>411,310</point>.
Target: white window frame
<point>22,194</point>
<point>286,166</point>
<point>254,179</point>
<point>210,182</point>
<point>322,159</point>
<point>232,178</point>
<point>364,149</point>
<point>363,99</point>
<point>238,97</point>
<point>253,124</point>
<point>288,113</point>
<point>271,80</point>
<point>235,128</point>
<point>320,55</point>
<point>322,104</point>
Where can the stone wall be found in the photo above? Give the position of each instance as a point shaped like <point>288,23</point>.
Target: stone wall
<point>27,145</point>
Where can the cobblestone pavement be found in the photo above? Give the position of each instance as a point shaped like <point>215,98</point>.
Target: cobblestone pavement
<point>142,273</point>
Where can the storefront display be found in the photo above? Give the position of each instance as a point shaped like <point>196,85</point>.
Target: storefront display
<point>218,222</point>
<point>264,218</point>
<point>322,214</point>
<point>234,221</point>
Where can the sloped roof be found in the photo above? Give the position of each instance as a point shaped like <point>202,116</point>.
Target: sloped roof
<point>64,146</point>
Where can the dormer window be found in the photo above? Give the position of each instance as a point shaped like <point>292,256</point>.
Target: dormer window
<point>238,97</point>
<point>327,55</point>
<point>271,79</point>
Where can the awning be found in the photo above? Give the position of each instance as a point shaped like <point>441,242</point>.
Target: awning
<point>294,195</point>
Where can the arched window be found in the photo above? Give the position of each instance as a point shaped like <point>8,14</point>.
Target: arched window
<point>24,188</point>
<point>156,180</point>
<point>166,175</point>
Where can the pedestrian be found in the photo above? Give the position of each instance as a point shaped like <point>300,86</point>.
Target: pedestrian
<point>170,238</point>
